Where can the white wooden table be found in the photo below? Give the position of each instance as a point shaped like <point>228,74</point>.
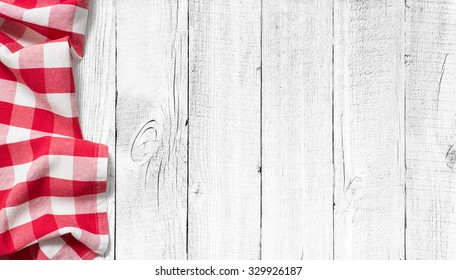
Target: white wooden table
<point>270,129</point>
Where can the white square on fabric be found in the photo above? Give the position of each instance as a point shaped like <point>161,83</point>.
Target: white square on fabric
<point>17,134</point>
<point>102,169</point>
<point>60,104</point>
<point>39,16</point>
<point>20,172</point>
<point>57,55</point>
<point>9,59</point>
<point>51,247</point>
<point>102,201</point>
<point>18,215</point>
<point>24,96</point>
<point>80,18</point>
<point>63,205</point>
<point>104,240</point>
<point>61,167</point>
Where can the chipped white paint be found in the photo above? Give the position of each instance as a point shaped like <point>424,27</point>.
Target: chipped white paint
<point>297,118</point>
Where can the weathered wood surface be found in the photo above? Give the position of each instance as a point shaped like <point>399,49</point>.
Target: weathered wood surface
<point>297,164</point>
<point>431,129</point>
<point>224,211</point>
<point>369,211</point>
<point>274,129</point>
<point>151,125</point>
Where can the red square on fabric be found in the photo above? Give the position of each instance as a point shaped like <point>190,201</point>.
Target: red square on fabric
<point>5,73</point>
<point>61,146</point>
<point>85,188</point>
<point>21,152</point>
<point>39,187</point>
<point>59,80</point>
<point>103,151</point>
<point>7,177</point>
<point>44,225</point>
<point>43,121</point>
<point>7,89</point>
<point>85,167</point>
<point>40,146</point>
<point>31,57</point>
<point>6,110</point>
<point>15,30</point>
<point>22,235</point>
<point>28,253</point>
<point>34,79</point>
<point>88,222</point>
<point>22,116</point>
<point>17,195</point>
<point>102,223</point>
<point>85,149</point>
<point>66,221</point>
<point>4,194</point>
<point>62,17</point>
<point>24,3</point>
<point>77,133</point>
<point>61,187</point>
<point>83,4</point>
<point>5,155</point>
<point>6,240</point>
<point>86,204</point>
<point>63,126</point>
<point>44,3</point>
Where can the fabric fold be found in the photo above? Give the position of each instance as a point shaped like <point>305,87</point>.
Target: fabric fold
<point>52,181</point>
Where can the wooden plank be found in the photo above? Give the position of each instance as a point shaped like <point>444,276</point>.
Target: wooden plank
<point>151,129</point>
<point>224,152</point>
<point>431,129</point>
<point>369,129</point>
<point>95,84</point>
<point>297,157</point>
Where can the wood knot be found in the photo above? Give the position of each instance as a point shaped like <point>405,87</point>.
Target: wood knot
<point>146,143</point>
<point>407,60</point>
<point>451,157</point>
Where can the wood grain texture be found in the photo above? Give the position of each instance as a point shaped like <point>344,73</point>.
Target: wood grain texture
<point>431,129</point>
<point>224,145</point>
<point>369,129</point>
<point>274,129</point>
<point>152,132</point>
<point>297,167</point>
<point>95,79</point>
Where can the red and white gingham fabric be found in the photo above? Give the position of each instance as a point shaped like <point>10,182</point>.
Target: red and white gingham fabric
<point>52,182</point>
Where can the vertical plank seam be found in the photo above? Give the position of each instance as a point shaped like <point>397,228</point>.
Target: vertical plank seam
<point>115,129</point>
<point>188,124</point>
<point>261,131</point>
<point>405,127</point>
<point>333,135</point>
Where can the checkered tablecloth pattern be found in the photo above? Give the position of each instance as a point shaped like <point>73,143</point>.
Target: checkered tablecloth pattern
<point>52,181</point>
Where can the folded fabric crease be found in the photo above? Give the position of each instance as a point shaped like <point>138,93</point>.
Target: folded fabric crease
<point>52,181</point>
